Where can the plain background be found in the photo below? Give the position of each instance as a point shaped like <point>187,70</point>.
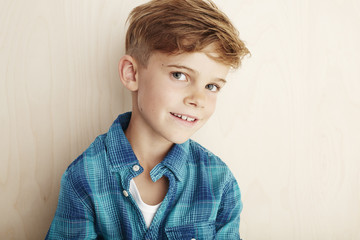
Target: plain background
<point>287,123</point>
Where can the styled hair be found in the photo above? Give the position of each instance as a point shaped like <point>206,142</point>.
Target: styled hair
<point>179,26</point>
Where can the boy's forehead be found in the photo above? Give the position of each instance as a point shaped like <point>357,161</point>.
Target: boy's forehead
<point>208,54</point>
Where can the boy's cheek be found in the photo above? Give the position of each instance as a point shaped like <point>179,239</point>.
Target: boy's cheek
<point>212,100</point>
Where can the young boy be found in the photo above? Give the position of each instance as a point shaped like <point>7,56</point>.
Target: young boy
<point>144,178</point>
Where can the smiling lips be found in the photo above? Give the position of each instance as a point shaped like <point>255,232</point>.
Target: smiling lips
<point>183,117</point>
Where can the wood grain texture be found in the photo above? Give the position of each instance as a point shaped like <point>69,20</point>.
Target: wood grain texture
<point>287,123</point>
<point>59,90</point>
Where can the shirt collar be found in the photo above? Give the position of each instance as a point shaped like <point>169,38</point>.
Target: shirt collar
<point>121,154</point>
<point>118,147</point>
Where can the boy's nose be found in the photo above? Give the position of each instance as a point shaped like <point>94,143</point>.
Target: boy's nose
<point>196,99</point>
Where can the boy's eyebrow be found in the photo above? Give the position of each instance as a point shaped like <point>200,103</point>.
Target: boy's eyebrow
<point>191,70</point>
<point>181,66</point>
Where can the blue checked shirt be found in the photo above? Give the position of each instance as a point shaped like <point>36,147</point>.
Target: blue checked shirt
<point>203,200</point>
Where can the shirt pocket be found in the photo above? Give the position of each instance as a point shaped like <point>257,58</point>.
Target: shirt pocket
<point>198,231</point>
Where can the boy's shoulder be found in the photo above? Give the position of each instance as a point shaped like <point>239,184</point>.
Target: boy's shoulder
<point>92,160</point>
<point>208,160</point>
<point>204,155</point>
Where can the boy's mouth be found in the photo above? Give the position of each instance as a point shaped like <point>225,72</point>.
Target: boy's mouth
<point>184,117</point>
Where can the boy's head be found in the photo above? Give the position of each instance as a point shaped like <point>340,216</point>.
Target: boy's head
<point>178,54</point>
<point>180,26</point>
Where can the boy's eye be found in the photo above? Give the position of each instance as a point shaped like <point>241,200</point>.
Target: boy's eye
<point>179,76</point>
<point>213,87</point>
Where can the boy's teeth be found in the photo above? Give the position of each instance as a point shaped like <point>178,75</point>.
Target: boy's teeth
<point>189,119</point>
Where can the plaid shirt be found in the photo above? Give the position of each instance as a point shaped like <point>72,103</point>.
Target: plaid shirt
<point>203,200</point>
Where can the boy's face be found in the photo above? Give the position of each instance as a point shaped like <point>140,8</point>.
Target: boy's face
<point>177,94</point>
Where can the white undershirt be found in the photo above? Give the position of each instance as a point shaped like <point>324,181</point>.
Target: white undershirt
<point>148,211</point>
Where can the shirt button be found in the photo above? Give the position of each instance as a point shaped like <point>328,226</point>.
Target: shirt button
<point>126,194</point>
<point>136,168</point>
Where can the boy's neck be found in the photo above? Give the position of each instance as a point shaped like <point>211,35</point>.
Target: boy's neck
<point>149,150</point>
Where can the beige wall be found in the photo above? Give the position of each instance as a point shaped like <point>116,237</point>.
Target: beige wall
<point>287,123</point>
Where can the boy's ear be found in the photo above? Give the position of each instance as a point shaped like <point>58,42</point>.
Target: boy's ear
<point>128,72</point>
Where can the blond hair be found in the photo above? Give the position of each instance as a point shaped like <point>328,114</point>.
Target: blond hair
<point>178,26</point>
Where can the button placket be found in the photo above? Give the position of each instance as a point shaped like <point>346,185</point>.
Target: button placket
<point>135,168</point>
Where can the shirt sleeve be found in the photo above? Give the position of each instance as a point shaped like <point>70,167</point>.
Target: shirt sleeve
<point>73,218</point>
<point>228,217</point>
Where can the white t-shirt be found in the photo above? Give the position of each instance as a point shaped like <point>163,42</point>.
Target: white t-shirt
<point>148,211</point>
